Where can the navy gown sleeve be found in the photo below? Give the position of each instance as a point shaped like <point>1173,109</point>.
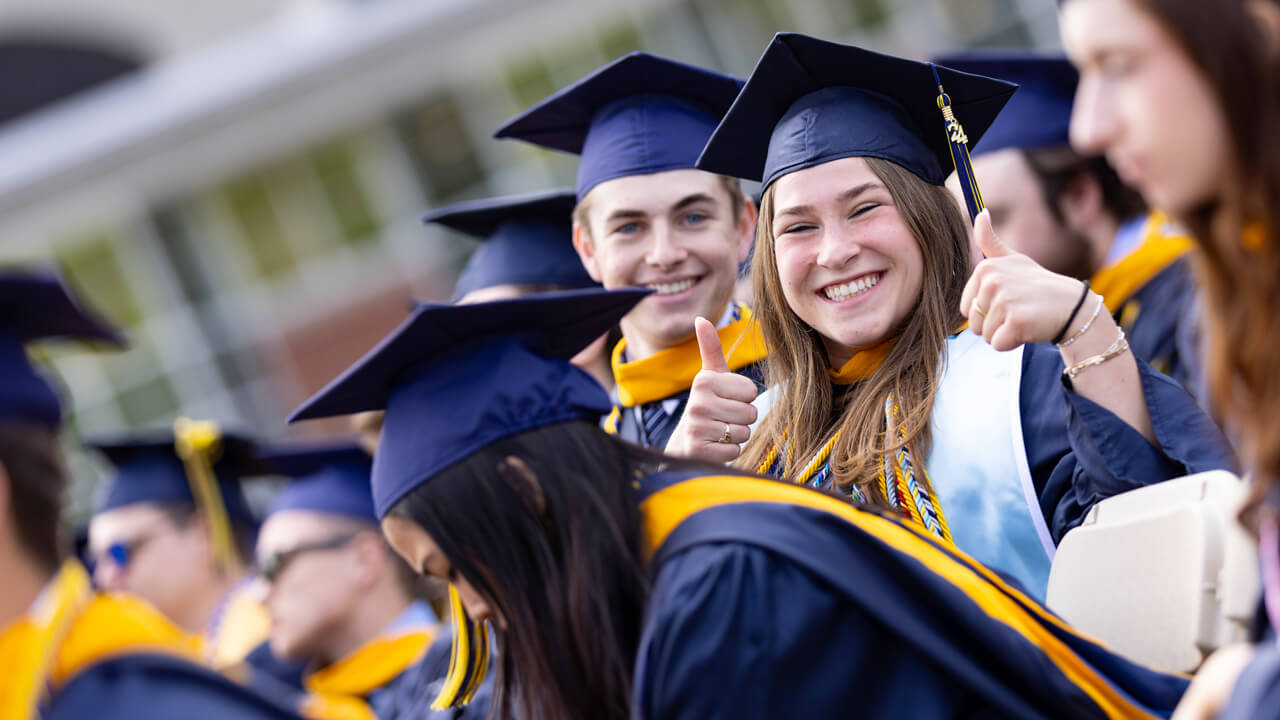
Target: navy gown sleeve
<point>160,686</point>
<point>1099,455</point>
<point>734,631</point>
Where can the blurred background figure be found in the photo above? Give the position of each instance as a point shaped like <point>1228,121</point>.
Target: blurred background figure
<point>66,651</point>
<point>179,533</point>
<point>342,603</point>
<point>1073,215</point>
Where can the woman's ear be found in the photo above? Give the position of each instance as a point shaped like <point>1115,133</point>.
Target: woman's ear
<point>524,483</point>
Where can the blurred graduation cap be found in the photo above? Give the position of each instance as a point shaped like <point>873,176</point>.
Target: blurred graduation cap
<point>525,240</point>
<point>639,114</point>
<point>1039,114</point>
<point>332,478</point>
<point>810,101</point>
<point>35,305</point>
<point>467,375</point>
<point>195,464</point>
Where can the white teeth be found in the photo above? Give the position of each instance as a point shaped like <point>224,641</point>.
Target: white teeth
<point>672,288</point>
<point>838,293</point>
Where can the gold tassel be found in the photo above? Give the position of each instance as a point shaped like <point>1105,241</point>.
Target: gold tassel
<point>469,659</point>
<point>198,444</point>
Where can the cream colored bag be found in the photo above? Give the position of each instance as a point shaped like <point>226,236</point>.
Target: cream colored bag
<point>1164,574</point>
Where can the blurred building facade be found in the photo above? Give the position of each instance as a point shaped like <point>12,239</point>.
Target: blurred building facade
<point>246,202</point>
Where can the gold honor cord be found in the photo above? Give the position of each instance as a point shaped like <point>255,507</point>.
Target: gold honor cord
<point>959,143</point>
<point>199,444</point>
<point>469,659</point>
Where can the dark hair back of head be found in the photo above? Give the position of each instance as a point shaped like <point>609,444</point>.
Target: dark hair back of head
<point>32,460</point>
<point>1056,168</point>
<point>559,552</point>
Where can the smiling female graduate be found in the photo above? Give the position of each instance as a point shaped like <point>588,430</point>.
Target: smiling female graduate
<point>988,437</point>
<point>623,583</point>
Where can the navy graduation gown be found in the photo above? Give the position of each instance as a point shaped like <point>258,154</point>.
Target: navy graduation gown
<point>1160,322</point>
<point>1099,455</point>
<point>160,686</point>
<point>772,600</point>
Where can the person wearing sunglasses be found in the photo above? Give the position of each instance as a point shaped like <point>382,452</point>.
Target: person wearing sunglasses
<point>67,651</point>
<point>341,602</point>
<point>173,527</point>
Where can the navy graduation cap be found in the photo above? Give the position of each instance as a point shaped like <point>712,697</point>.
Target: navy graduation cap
<point>192,464</point>
<point>455,378</point>
<point>639,114</point>
<point>526,240</point>
<point>1039,115</point>
<point>811,101</point>
<point>35,305</point>
<point>332,479</point>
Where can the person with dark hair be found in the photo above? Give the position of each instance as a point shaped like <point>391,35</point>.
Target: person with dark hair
<point>645,216</point>
<point>623,583</point>
<point>1072,214</point>
<point>173,527</point>
<point>341,601</point>
<point>1183,98</point>
<point>67,652</point>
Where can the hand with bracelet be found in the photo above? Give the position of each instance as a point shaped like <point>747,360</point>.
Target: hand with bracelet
<point>1011,300</point>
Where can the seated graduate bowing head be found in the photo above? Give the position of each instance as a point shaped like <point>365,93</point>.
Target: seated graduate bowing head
<point>645,216</point>
<point>622,583</point>
<point>340,599</point>
<point>65,651</point>
<point>861,275</point>
<point>1072,214</point>
<point>172,526</point>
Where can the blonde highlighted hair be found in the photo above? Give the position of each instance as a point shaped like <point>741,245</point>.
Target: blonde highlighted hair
<point>806,412</point>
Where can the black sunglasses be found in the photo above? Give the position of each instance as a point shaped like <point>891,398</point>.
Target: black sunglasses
<point>271,566</point>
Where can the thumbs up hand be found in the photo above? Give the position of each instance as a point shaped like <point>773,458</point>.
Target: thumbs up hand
<point>1011,300</point>
<point>719,409</point>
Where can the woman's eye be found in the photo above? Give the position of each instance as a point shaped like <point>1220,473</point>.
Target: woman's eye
<point>799,227</point>
<point>864,209</point>
<point>1115,65</point>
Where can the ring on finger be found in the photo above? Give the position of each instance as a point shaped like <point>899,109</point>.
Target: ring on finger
<point>977,307</point>
<point>727,437</point>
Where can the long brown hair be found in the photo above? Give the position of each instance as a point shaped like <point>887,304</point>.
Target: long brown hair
<point>805,413</point>
<point>1239,266</point>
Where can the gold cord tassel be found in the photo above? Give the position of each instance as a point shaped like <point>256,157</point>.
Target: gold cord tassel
<point>469,660</point>
<point>199,444</point>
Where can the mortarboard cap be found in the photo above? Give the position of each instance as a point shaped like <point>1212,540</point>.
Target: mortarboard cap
<point>526,240</point>
<point>147,469</point>
<point>1039,115</point>
<point>639,114</point>
<point>332,479</point>
<point>464,376</point>
<point>35,305</point>
<point>811,101</point>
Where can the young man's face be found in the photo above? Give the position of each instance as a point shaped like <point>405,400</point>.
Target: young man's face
<point>1021,216</point>
<point>675,232</point>
<point>141,550</point>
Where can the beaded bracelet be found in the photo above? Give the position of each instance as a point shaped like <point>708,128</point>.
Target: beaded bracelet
<point>1119,347</point>
<point>1087,324</point>
<point>1070,318</point>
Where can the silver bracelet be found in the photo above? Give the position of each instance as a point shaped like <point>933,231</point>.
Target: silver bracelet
<point>1088,323</point>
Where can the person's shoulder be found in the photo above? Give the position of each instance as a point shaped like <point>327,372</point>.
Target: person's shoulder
<point>136,685</point>
<point>114,624</point>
